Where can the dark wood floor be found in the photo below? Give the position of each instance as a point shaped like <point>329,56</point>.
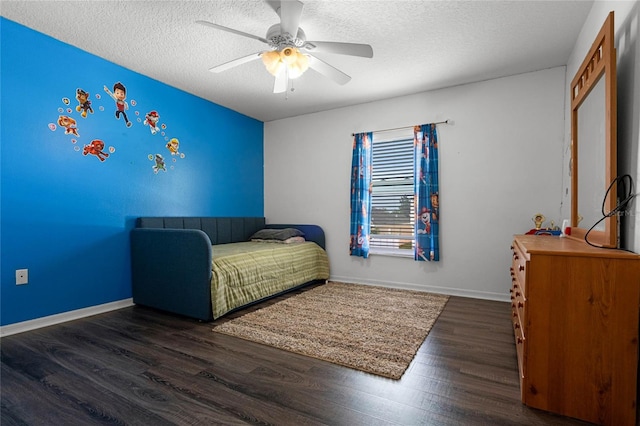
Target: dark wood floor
<point>140,366</point>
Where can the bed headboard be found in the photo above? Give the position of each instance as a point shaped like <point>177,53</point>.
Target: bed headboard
<point>222,230</point>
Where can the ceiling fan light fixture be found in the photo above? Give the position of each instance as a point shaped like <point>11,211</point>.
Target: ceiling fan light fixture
<point>299,66</point>
<point>272,62</point>
<point>289,57</point>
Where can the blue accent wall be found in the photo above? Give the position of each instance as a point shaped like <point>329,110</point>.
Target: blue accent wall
<point>67,207</point>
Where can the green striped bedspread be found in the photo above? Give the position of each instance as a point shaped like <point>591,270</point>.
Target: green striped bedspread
<point>248,271</point>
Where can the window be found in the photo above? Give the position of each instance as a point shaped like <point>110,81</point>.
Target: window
<point>393,179</point>
<point>392,195</point>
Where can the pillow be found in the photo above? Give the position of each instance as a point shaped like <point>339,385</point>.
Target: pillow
<point>277,234</point>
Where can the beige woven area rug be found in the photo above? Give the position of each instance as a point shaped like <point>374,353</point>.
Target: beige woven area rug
<point>373,329</point>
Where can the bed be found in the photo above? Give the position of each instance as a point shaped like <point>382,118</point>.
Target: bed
<point>206,267</point>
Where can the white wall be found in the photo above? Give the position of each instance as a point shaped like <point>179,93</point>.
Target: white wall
<point>627,33</point>
<point>500,163</point>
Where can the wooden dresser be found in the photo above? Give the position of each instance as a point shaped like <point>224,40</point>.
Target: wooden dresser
<point>575,312</point>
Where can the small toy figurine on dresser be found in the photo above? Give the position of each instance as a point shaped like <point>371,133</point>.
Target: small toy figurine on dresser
<point>539,219</point>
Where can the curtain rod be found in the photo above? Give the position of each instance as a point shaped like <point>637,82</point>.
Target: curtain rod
<point>403,128</point>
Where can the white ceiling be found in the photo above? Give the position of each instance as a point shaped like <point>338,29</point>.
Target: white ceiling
<point>417,45</point>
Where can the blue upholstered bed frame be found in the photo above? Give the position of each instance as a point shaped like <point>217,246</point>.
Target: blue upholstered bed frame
<point>171,258</point>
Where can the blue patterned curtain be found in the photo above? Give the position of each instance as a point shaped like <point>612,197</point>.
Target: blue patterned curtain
<point>426,192</point>
<point>361,167</point>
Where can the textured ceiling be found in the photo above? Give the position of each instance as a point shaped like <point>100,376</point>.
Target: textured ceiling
<point>417,45</point>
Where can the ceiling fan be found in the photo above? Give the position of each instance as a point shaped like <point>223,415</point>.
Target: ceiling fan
<point>290,54</point>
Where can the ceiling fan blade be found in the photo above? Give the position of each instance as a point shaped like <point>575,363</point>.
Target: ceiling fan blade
<point>352,49</point>
<point>290,12</point>
<point>274,4</point>
<point>328,70</point>
<point>235,62</point>
<point>231,30</point>
<point>282,81</point>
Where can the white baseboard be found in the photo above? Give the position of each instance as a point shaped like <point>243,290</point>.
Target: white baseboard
<point>462,292</point>
<point>21,327</point>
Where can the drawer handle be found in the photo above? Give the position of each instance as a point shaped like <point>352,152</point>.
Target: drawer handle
<point>511,247</point>
<point>519,340</point>
<point>521,268</point>
<point>515,256</point>
<point>520,305</point>
<point>516,326</point>
<point>517,293</point>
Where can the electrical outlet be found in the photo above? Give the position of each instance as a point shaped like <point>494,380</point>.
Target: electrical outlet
<point>22,276</point>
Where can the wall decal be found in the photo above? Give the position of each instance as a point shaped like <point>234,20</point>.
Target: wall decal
<point>65,121</point>
<point>69,125</point>
<point>98,133</point>
<point>151,119</point>
<point>96,148</point>
<point>98,97</point>
<point>119,95</point>
<point>159,163</point>
<point>173,146</point>
<point>84,104</point>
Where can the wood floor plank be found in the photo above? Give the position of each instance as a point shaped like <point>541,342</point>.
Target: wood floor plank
<point>26,400</point>
<point>291,391</point>
<point>142,366</point>
<point>216,393</point>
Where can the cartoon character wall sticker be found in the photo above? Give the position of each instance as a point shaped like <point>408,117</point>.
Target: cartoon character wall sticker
<point>95,148</point>
<point>84,104</point>
<point>159,164</point>
<point>173,146</point>
<point>98,147</point>
<point>119,95</point>
<point>69,125</point>
<point>151,119</point>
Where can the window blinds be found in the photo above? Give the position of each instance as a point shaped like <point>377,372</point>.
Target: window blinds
<point>392,201</point>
